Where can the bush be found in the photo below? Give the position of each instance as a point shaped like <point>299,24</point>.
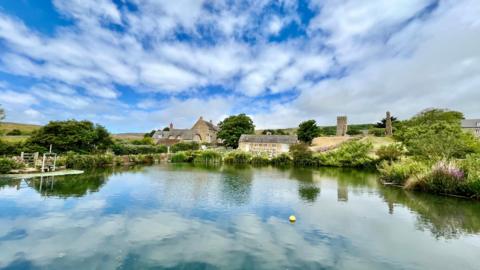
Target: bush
<point>237,157</point>
<point>444,178</point>
<point>349,154</point>
<point>378,132</point>
<point>399,172</point>
<point>391,152</point>
<point>6,165</point>
<point>208,157</point>
<point>282,160</point>
<point>143,141</point>
<point>129,149</point>
<point>260,160</point>
<point>14,132</point>
<point>302,155</point>
<point>184,146</point>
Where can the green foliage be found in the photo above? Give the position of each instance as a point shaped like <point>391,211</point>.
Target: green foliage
<point>6,165</point>
<point>302,155</point>
<point>438,141</point>
<point>179,157</point>
<point>443,178</point>
<point>432,116</point>
<point>307,131</point>
<point>184,146</point>
<point>129,149</point>
<point>149,134</point>
<point>14,132</point>
<point>282,160</point>
<point>77,161</point>
<point>399,172</point>
<point>260,160</point>
<point>383,123</point>
<point>237,157</point>
<point>166,129</point>
<point>349,154</point>
<point>274,132</point>
<point>72,135</point>
<point>327,131</point>
<point>378,132</point>
<point>15,148</point>
<point>144,141</point>
<point>232,127</point>
<point>208,157</point>
<point>391,152</point>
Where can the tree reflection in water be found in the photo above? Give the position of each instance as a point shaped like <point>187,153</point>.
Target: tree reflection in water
<point>237,183</point>
<point>444,217</point>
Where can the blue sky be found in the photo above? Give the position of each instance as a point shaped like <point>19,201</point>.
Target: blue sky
<point>135,65</point>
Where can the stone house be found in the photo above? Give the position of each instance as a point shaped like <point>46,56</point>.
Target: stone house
<point>271,145</point>
<point>202,132</point>
<point>472,125</point>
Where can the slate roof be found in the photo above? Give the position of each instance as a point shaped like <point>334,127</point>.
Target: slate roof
<point>471,123</point>
<point>186,134</point>
<point>286,139</point>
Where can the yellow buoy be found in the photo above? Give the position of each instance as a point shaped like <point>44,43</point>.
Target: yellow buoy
<point>292,218</point>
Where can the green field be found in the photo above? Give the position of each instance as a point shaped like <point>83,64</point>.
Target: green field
<point>24,128</point>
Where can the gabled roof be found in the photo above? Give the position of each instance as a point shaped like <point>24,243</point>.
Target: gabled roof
<point>471,123</point>
<point>287,139</point>
<point>186,134</point>
<point>210,125</point>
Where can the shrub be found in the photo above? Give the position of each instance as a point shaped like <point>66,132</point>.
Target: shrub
<point>378,132</point>
<point>282,160</point>
<point>349,154</point>
<point>130,149</point>
<point>14,132</point>
<point>260,160</point>
<point>399,172</point>
<point>179,157</point>
<point>237,157</point>
<point>444,178</point>
<point>302,155</point>
<point>208,157</point>
<point>184,147</point>
<point>143,141</point>
<point>391,152</point>
<point>6,165</point>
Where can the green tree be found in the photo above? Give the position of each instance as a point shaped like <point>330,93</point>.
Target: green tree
<point>232,127</point>
<point>274,132</point>
<point>383,122</point>
<point>439,141</point>
<point>72,135</point>
<point>307,131</point>
<point>431,116</point>
<point>149,134</point>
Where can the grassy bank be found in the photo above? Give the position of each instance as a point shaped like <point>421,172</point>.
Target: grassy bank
<point>76,161</point>
<point>354,154</point>
<point>458,177</point>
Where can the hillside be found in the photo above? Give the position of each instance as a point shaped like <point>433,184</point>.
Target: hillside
<point>24,128</point>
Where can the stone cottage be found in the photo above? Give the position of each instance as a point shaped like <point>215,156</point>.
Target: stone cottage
<point>202,132</point>
<point>271,145</point>
<point>472,125</point>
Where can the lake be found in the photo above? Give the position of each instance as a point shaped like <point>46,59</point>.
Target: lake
<point>184,217</point>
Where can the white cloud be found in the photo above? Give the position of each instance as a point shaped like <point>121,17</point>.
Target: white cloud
<point>358,58</point>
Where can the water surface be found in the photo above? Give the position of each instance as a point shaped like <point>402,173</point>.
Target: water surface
<point>184,217</point>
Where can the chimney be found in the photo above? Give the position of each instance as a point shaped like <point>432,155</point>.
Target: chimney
<point>171,126</point>
<point>201,117</point>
